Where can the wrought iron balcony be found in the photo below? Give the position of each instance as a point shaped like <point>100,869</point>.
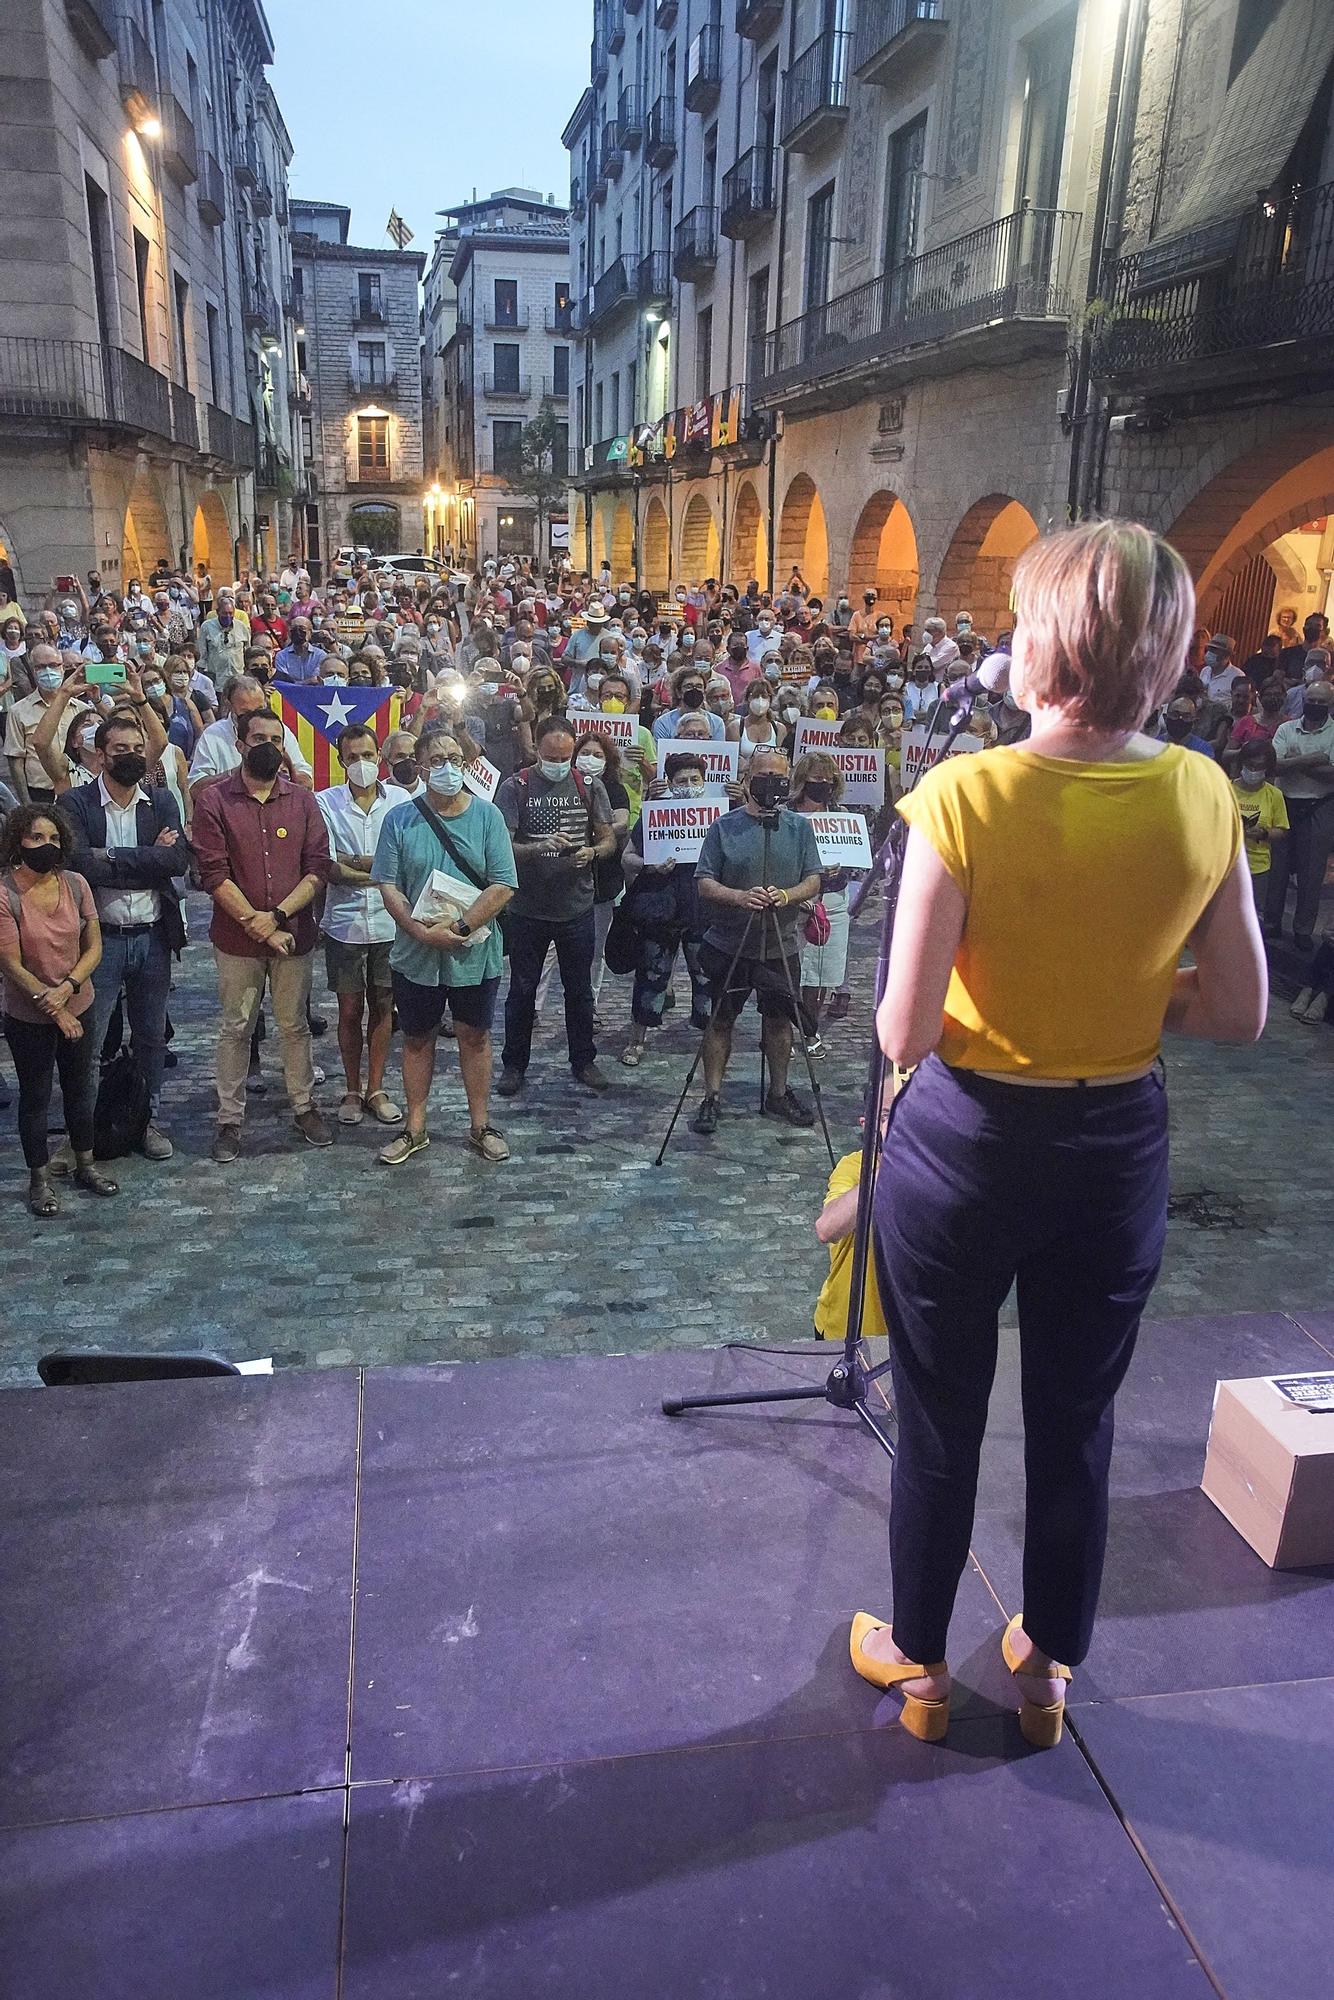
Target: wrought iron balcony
<point>660,135</point>
<point>559,319</point>
<point>554,392</point>
<point>369,311</point>
<point>1000,292</point>
<point>379,383</point>
<point>597,61</point>
<point>261,198</point>
<point>815,93</point>
<point>1264,312</point>
<point>895,36</point>
<point>607,456</point>
<point>695,244</point>
<point>615,27</point>
<point>184,416</point>
<point>94,25</point>
<point>577,201</point>
<point>750,192</point>
<point>611,291</point>
<point>298,394</point>
<point>597,175</point>
<point>245,164</point>
<point>630,117</point>
<point>138,71</point>
<point>81,384</point>
<point>653,279</point>
<point>612,154</point>
<point>513,388</point>
<point>212,196</point>
<point>664,13</point>
<point>260,309</point>
<point>179,157</point>
<point>503,322</point>
<point>756,19</point>
<point>704,68</point>
<point>633,6</point>
<point>229,439</point>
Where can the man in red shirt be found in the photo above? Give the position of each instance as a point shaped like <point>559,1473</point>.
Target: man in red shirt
<point>263,854</point>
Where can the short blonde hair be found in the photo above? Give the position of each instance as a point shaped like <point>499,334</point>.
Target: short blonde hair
<point>1104,613</point>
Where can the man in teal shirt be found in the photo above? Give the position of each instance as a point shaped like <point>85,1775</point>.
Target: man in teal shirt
<point>441,963</point>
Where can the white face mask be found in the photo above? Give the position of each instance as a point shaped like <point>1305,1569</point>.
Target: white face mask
<point>554,769</point>
<point>362,772</point>
<point>593,680</point>
<point>790,711</point>
<point>591,764</point>
<point>88,737</point>
<point>446,779</point>
<point>688,788</point>
<point>758,704</point>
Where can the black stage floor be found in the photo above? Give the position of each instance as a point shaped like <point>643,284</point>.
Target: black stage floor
<point>492,1680</point>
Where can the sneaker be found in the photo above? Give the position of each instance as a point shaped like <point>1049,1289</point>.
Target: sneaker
<point>314,1128</point>
<point>789,1108</point>
<point>155,1145</point>
<point>227,1144</point>
<point>705,1120</point>
<point>401,1149</point>
<point>492,1145</point>
<point>1301,1003</point>
<point>511,1083</point>
<point>591,1077</point>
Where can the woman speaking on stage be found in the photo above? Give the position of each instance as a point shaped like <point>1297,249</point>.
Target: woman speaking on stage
<point>1048,891</point>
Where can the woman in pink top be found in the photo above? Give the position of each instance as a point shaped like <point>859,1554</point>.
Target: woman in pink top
<point>50,945</point>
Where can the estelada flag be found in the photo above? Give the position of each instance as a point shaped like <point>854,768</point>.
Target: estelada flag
<point>317,716</point>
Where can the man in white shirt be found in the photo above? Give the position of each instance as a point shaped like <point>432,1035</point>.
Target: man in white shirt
<point>217,753</point>
<point>1305,753</point>
<point>762,637</point>
<point>1218,672</point>
<point>357,928</point>
<point>943,651</point>
<point>27,773</point>
<point>399,753</point>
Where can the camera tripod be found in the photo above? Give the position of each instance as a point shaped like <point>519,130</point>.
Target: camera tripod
<point>847,1382</point>
<point>769,933</point>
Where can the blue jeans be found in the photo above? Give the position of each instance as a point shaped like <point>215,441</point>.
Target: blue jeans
<point>140,968</point>
<point>529,941</point>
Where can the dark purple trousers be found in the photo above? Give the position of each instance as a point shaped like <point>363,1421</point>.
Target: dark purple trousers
<point>983,1185</point>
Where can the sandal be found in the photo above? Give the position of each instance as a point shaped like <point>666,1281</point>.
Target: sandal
<point>492,1145</point>
<point>632,1055</point>
<point>349,1109</point>
<point>926,1717</point>
<point>401,1149</point>
<point>382,1110</point>
<point>42,1197</point>
<point>1039,1722</point>
<point>94,1180</point>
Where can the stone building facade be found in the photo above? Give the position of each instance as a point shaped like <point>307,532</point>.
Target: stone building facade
<point>360,356</point>
<point>142,191</point>
<point>846,265</point>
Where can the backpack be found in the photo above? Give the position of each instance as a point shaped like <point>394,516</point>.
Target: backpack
<point>123,1108</point>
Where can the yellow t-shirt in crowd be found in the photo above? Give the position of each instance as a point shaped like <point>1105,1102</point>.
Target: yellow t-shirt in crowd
<point>1264,810</point>
<point>1083,882</point>
<point>831,1308</point>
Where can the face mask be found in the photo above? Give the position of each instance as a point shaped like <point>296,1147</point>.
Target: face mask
<point>154,690</point>
<point>1315,713</point>
<point>49,679</point>
<point>820,790</point>
<point>264,761</point>
<point>1251,779</point>
<point>593,682</point>
<point>790,711</point>
<point>42,859</point>
<point>88,737</point>
<point>758,704</point>
<point>405,772</point>
<point>445,779</point>
<point>824,713</point>
<point>637,645</point>
<point>591,764</point>
<point>128,767</point>
<point>894,681</point>
<point>688,788</point>
<point>692,697</point>
<point>362,772</point>
<point>490,689</point>
<point>431,629</point>
<point>554,769</point>
<point>1177,727</point>
<point>687,640</point>
<point>843,672</point>
<point>332,681</point>
<point>611,706</point>
<point>769,789</point>
<point>872,694</point>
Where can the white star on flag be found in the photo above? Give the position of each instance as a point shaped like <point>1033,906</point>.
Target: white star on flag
<point>335,712</point>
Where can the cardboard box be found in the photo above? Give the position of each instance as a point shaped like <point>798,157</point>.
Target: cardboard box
<point>1269,1470</point>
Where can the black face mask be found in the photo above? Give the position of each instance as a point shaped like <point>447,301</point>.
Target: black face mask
<point>128,767</point>
<point>692,697</point>
<point>821,790</point>
<point>264,761</point>
<point>843,673</point>
<point>405,771</point>
<point>1178,727</point>
<point>1316,713</point>
<point>769,789</point>
<point>42,859</point>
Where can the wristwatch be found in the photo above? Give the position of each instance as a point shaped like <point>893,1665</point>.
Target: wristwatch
<point>75,985</point>
<point>464,930</point>
<point>281,917</point>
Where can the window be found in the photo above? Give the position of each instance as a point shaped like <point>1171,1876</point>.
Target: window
<point>579,430</point>
<point>757,324</point>
<point>372,447</point>
<point>615,403</point>
<point>181,298</point>
<point>506,446</point>
<point>505,365</point>
<point>141,254</point>
<point>370,298</point>
<point>99,237</point>
<point>560,371</point>
<point>766,104</point>
<point>708,180</point>
<point>1049,55</point>
<point>312,532</point>
<point>819,231</point>
<point>1253,18</point>
<point>907,154</point>
<point>631,385</point>
<point>214,332</point>
<point>506,302</point>
<point>598,432</point>
<point>561,448</point>
<point>372,366</point>
<point>307,440</point>
<point>703,353</point>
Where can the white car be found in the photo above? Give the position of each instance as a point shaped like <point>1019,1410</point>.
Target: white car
<point>414,565</point>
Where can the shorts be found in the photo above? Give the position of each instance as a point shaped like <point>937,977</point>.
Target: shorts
<point>421,1009</point>
<point>765,978</point>
<point>350,968</point>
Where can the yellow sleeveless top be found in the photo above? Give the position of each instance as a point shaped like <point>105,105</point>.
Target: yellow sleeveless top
<point>1083,882</point>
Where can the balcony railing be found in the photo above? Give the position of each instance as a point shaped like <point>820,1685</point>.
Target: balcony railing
<point>368,311</point>
<point>212,196</point>
<point>611,291</point>
<point>80,382</point>
<point>893,36</point>
<point>630,117</point>
<point>612,153</point>
<point>245,163</point>
<point>653,279</point>
<point>598,59</point>
<point>506,465</point>
<point>559,319</point>
<point>555,392</point>
<point>94,24</point>
<point>704,68</point>
<point>607,455</point>
<point>184,416</point>
<point>664,13</point>
<point>1016,268</point>
<point>695,244</point>
<point>298,394</point>
<point>179,156</point>
<point>756,19</point>
<point>260,308</point>
<point>261,197</point>
<point>815,92</point>
<point>380,383</point>
<point>229,439</point>
<point>633,6</point>
<point>138,72</point>
<point>1267,311</point>
<point>750,192</point>
<point>597,173</point>
<point>502,322</point>
<point>515,388</point>
<point>615,27</point>
<point>660,133</point>
<point>577,201</point>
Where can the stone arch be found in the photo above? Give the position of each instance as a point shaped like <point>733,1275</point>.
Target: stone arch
<point>750,550</point>
<point>699,541</point>
<point>657,548</point>
<point>1245,507</point>
<point>146,536</point>
<point>211,532</point>
<point>884,557</point>
<point>803,537</point>
<point>978,570</point>
<point>622,543</point>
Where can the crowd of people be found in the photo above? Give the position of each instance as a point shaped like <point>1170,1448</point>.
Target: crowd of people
<point>534,714</point>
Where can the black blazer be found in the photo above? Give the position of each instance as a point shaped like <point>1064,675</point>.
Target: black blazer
<point>146,866</point>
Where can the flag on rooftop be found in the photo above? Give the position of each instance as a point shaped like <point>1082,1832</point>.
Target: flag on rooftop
<point>398,229</point>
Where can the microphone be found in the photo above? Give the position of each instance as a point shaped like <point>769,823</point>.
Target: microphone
<point>991,677</point>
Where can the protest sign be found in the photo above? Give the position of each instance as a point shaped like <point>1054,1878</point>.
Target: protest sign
<point>914,757</point>
<point>622,730</point>
<point>481,777</point>
<point>863,774</point>
<point>842,838</point>
<point>721,761</point>
<point>813,735</point>
<point>674,829</point>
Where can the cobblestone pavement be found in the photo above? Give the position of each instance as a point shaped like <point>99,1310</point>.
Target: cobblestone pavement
<point>581,1244</point>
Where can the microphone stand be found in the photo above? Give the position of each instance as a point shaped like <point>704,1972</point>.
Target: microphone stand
<point>847,1382</point>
